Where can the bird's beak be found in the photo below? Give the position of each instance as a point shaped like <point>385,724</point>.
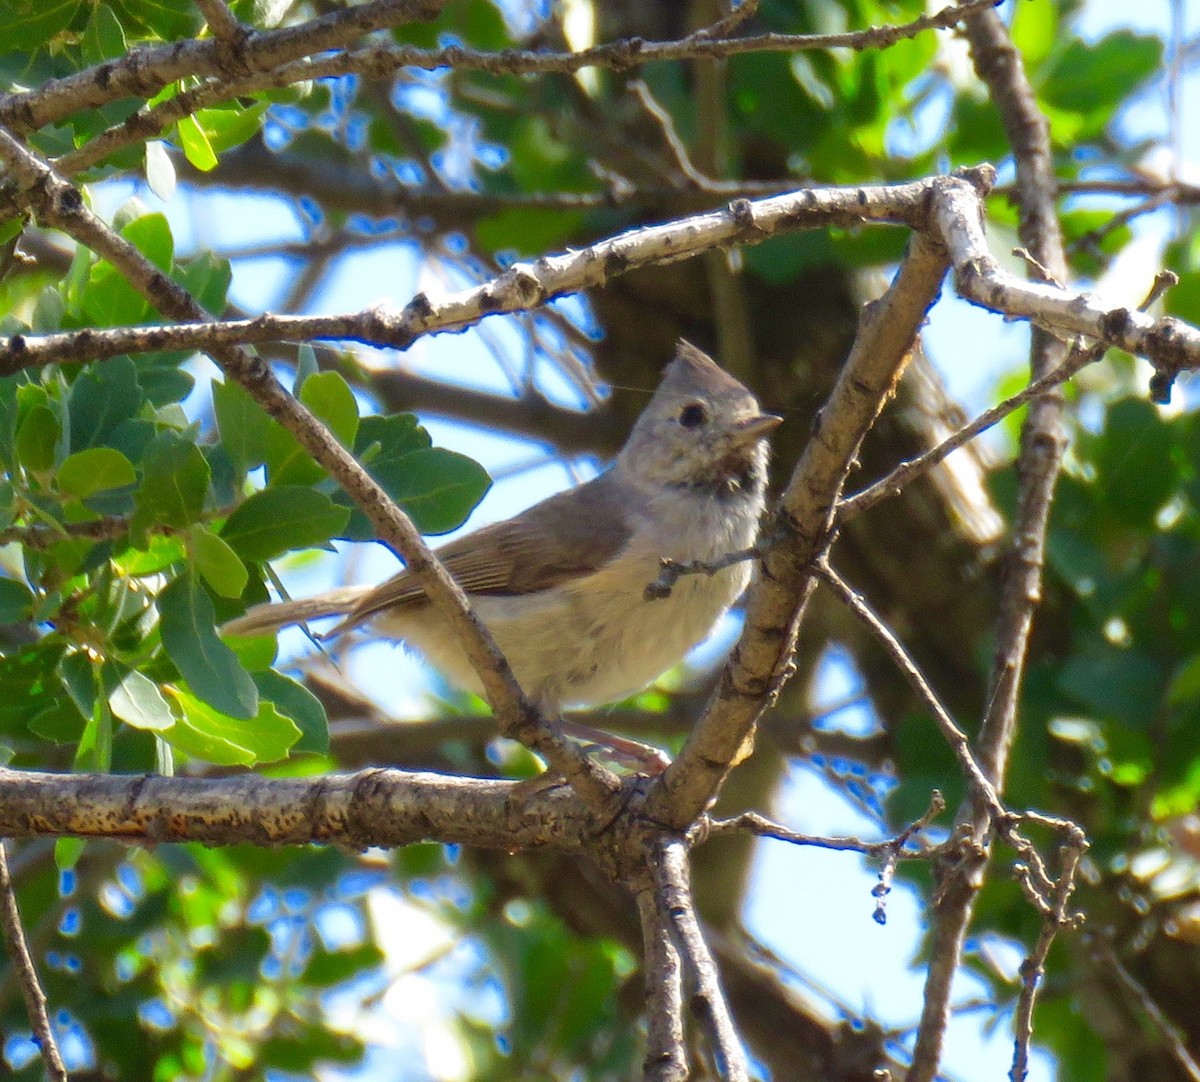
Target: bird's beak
<point>753,429</point>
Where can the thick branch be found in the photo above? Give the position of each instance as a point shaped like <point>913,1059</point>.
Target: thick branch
<point>145,69</point>
<point>662,973</point>
<point>954,207</point>
<point>800,535</point>
<point>523,286</point>
<point>368,808</point>
<point>672,882</point>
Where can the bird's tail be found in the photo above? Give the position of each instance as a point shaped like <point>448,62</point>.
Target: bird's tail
<point>271,616</point>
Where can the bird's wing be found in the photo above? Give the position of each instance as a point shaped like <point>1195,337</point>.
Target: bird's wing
<point>570,534</point>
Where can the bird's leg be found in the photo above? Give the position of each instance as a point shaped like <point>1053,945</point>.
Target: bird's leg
<point>629,753</point>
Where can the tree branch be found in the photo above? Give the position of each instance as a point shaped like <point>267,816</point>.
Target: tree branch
<point>669,868</point>
<point>662,973</point>
<point>1042,443</point>
<point>372,807</point>
<point>27,978</point>
<point>954,208</point>
<point>800,534</point>
<point>145,69</point>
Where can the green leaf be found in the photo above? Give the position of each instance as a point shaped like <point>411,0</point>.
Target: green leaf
<point>174,482</point>
<point>67,852</point>
<point>137,701</point>
<point>103,37</point>
<point>1121,684</point>
<point>97,469</point>
<point>37,438</point>
<point>108,298</point>
<point>32,24</point>
<point>205,662</point>
<point>1093,78</point>
<point>196,147</point>
<point>278,520</point>
<point>162,19</point>
<point>151,235</point>
<point>229,126</point>
<point>437,489</point>
<point>102,398</point>
<point>326,968</point>
<point>306,365</point>
<point>329,397</point>
<point>287,462</point>
<point>295,701</point>
<point>207,733</point>
<point>243,425</point>
<point>16,601</point>
<point>206,277</point>
<point>218,563</point>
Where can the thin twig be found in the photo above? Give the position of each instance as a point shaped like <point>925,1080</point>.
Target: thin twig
<point>668,862</point>
<point>666,124</point>
<point>901,658</point>
<point>673,570</point>
<point>890,851</point>
<point>727,24</point>
<point>909,471</point>
<point>1171,1034</point>
<point>999,63</point>
<point>31,989</point>
<point>1034,965</point>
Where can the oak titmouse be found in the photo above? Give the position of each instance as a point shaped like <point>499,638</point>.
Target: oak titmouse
<point>562,585</point>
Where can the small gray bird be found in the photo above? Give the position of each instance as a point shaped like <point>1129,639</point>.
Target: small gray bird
<point>562,585</point>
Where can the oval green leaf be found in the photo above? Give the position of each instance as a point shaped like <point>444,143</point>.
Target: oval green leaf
<point>218,563</point>
<point>212,670</point>
<point>137,701</point>
<point>278,520</point>
<point>97,469</point>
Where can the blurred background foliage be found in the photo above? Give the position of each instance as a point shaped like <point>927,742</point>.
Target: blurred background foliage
<point>180,962</point>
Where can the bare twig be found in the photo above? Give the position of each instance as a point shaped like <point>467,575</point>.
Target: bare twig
<point>1078,359</point>
<point>901,658</point>
<point>909,471</point>
<point>890,851</point>
<point>669,867</point>
<point>673,570</point>
<point>762,827</point>
<point>1033,967</point>
<point>223,23</point>
<point>22,963</point>
<point>666,124</point>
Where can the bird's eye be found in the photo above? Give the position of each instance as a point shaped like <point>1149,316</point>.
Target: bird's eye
<point>692,415</point>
